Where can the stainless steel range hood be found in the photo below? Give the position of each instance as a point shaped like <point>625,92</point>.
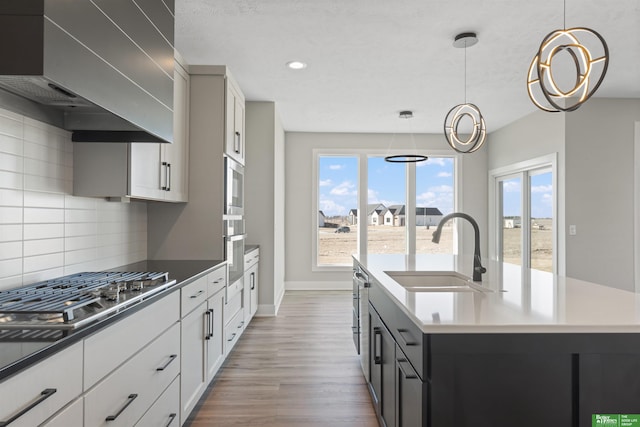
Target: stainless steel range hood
<point>100,68</point>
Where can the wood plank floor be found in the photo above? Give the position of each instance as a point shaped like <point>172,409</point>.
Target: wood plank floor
<point>297,369</point>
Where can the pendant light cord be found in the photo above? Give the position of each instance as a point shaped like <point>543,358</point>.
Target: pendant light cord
<point>564,13</point>
<point>465,72</point>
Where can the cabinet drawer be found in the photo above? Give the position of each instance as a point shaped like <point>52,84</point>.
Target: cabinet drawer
<point>125,395</point>
<point>166,410</point>
<point>232,307</point>
<point>233,331</point>
<point>109,348</point>
<point>234,289</point>
<point>53,383</point>
<point>250,258</point>
<point>217,280</point>
<point>72,415</point>
<point>192,295</point>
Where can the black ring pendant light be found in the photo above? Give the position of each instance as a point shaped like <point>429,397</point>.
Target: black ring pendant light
<point>590,70</point>
<point>406,158</point>
<point>465,111</point>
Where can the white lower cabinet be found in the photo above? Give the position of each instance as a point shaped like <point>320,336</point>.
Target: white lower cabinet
<point>202,342</point>
<point>165,412</point>
<point>125,395</point>
<point>72,415</point>
<point>39,392</point>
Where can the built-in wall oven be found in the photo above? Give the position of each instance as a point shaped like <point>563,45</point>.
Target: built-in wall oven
<point>233,188</point>
<point>234,248</point>
<point>360,326</point>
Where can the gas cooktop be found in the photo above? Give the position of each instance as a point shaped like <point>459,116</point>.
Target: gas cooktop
<point>72,301</point>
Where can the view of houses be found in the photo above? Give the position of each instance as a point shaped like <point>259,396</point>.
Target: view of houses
<point>394,215</point>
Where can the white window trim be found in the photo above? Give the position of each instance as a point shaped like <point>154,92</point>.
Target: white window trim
<point>495,175</point>
<point>363,155</point>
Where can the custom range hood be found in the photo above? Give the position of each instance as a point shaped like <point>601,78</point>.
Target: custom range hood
<point>100,68</point>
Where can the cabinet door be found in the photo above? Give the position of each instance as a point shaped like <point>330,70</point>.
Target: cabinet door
<point>176,155</point>
<point>215,343</point>
<point>253,288</point>
<point>239,128</point>
<point>72,415</point>
<point>146,174</point>
<point>234,124</point>
<point>410,394</point>
<point>382,369</point>
<point>193,374</point>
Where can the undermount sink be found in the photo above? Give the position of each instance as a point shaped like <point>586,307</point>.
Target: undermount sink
<point>435,281</point>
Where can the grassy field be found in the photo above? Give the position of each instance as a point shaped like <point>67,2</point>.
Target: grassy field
<point>337,248</point>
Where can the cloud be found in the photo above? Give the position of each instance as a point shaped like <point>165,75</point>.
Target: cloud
<point>542,189</point>
<point>331,208</point>
<point>325,183</point>
<point>372,196</point>
<point>336,167</point>
<point>440,197</point>
<point>511,186</point>
<point>438,161</point>
<point>345,188</point>
<point>444,174</point>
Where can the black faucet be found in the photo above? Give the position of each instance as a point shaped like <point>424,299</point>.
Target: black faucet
<point>478,269</point>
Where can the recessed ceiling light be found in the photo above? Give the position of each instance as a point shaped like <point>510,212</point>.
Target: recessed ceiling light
<point>296,65</point>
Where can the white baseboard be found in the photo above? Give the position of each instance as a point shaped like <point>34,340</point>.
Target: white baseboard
<point>266,310</point>
<point>319,286</point>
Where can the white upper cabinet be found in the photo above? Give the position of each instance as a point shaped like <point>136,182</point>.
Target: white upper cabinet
<point>234,122</point>
<point>151,171</point>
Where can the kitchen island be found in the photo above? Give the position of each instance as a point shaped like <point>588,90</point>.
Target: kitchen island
<point>528,349</point>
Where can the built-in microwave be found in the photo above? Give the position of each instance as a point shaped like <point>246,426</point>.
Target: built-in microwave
<point>233,187</point>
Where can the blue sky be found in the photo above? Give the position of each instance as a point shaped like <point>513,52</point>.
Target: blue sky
<point>338,177</point>
<point>338,190</point>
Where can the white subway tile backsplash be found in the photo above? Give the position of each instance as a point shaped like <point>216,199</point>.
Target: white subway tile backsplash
<point>42,262</point>
<point>45,231</point>
<point>11,180</point>
<point>10,250</point>
<point>43,200</point>
<point>10,232</point>
<point>10,215</point>
<point>43,215</point>
<point>44,246</point>
<point>11,163</point>
<point>10,197</point>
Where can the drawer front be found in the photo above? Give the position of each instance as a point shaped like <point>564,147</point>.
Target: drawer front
<point>61,372</point>
<point>166,410</point>
<point>234,289</point>
<point>232,307</point>
<point>109,348</point>
<point>72,415</point>
<point>217,280</point>
<point>250,258</point>
<point>192,295</point>
<point>125,395</point>
<point>233,331</point>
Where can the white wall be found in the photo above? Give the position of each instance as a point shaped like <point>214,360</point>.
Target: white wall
<point>299,166</point>
<point>599,191</point>
<point>264,200</point>
<point>45,231</point>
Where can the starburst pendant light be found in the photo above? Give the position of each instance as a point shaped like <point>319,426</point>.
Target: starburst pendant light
<point>588,53</point>
<point>478,134</point>
<point>406,158</point>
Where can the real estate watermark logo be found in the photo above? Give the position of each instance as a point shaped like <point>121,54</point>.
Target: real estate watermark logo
<point>615,420</point>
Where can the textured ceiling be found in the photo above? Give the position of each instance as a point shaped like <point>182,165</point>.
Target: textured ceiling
<point>369,59</point>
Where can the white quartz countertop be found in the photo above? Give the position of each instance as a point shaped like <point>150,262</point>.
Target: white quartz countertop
<point>520,300</point>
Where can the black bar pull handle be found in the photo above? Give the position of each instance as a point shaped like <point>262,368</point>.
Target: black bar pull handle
<point>171,418</point>
<point>236,143</point>
<point>207,321</point>
<point>407,343</point>
<point>253,280</point>
<point>171,359</point>
<point>168,176</point>
<point>377,332</point>
<point>210,311</point>
<point>130,400</point>
<point>233,335</point>
<point>44,395</point>
<point>404,373</point>
<point>197,294</point>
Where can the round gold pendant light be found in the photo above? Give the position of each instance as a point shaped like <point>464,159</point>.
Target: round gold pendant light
<point>467,112</point>
<point>589,55</point>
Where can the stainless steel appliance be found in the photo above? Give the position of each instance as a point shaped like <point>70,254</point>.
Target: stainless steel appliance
<point>72,301</point>
<point>234,248</point>
<point>360,325</point>
<point>233,188</point>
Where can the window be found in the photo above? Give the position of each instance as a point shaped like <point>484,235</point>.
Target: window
<point>524,214</point>
<point>358,189</point>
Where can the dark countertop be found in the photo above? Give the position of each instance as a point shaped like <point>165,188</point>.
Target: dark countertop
<point>16,356</point>
<point>249,248</point>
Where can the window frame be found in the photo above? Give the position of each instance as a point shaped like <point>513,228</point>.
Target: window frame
<point>363,155</point>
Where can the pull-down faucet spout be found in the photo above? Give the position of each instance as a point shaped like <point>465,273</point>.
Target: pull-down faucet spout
<point>478,269</point>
